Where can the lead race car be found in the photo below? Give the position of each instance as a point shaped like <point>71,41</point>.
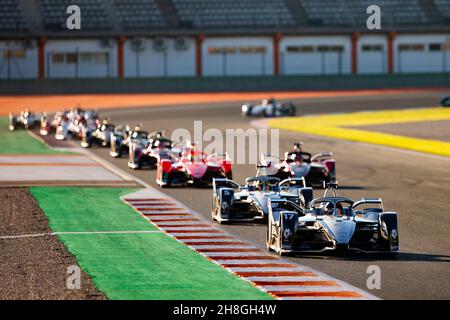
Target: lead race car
<point>191,166</point>
<point>269,108</point>
<point>331,223</point>
<point>317,169</point>
<point>445,101</point>
<point>249,203</point>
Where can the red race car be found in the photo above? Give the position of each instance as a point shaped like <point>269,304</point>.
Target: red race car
<point>191,166</point>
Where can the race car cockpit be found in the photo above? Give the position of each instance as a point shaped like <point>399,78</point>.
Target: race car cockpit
<point>263,184</point>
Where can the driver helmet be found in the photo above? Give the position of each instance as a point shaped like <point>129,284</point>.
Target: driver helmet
<point>327,208</point>
<point>259,185</point>
<point>339,209</point>
<point>271,101</point>
<point>296,157</point>
<point>271,184</point>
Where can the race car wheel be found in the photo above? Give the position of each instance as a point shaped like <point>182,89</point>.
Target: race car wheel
<point>292,110</point>
<point>213,209</point>
<point>269,236</point>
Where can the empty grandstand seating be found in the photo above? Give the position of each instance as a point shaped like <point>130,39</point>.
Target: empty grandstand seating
<point>353,12</point>
<point>11,17</point>
<point>138,14</point>
<point>444,7</point>
<point>147,15</point>
<point>93,15</point>
<point>233,13</point>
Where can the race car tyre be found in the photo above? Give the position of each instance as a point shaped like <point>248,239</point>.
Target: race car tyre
<point>292,110</point>
<point>388,230</point>
<point>268,236</point>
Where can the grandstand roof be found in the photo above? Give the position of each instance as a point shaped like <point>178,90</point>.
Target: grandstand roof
<point>231,17</point>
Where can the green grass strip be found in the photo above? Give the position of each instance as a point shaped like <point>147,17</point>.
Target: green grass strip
<point>20,142</point>
<point>133,266</point>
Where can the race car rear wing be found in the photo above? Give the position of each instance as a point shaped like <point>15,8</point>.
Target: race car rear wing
<point>284,205</point>
<point>293,183</point>
<point>375,201</point>
<point>225,183</point>
<point>321,156</point>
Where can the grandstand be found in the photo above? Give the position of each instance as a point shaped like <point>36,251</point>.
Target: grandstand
<point>164,38</point>
<point>128,16</point>
<point>233,13</point>
<point>11,17</point>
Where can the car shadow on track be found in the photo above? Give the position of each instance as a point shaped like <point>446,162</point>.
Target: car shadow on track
<point>402,256</point>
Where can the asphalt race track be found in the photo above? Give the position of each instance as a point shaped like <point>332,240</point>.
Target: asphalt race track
<point>417,186</point>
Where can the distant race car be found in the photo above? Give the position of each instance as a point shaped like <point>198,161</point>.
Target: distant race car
<point>317,170</point>
<point>45,125</point>
<point>119,141</point>
<point>191,166</point>
<point>269,108</point>
<point>121,137</point>
<point>331,223</point>
<point>100,134</point>
<point>445,102</point>
<point>234,203</point>
<point>70,124</point>
<point>146,152</point>
<point>26,120</point>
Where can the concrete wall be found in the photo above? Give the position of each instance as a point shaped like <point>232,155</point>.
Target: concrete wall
<point>234,60</point>
<point>218,84</point>
<point>150,62</point>
<point>98,67</point>
<point>18,61</point>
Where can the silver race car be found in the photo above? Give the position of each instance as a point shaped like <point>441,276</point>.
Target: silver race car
<point>269,108</point>
<point>331,223</point>
<point>235,203</point>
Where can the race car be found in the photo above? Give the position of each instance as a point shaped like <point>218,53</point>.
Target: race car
<point>119,141</point>
<point>269,108</point>
<point>121,137</point>
<point>146,152</point>
<point>48,125</point>
<point>62,127</point>
<point>26,120</point>
<point>234,203</point>
<point>45,125</point>
<point>331,223</point>
<point>445,102</point>
<point>99,134</point>
<point>317,170</point>
<point>191,166</point>
<point>70,124</point>
<point>80,120</point>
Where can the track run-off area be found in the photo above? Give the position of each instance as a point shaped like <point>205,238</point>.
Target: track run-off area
<point>414,184</point>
